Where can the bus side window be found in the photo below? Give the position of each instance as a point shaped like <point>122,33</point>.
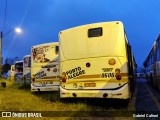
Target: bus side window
<point>29,64</point>
<point>130,62</point>
<point>56,49</point>
<point>17,70</point>
<point>95,32</point>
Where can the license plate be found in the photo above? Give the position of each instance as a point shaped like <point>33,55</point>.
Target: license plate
<point>89,84</point>
<point>48,88</point>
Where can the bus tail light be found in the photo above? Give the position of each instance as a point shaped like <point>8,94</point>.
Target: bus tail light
<point>88,64</point>
<point>105,95</point>
<point>75,85</point>
<point>74,95</point>
<point>112,62</point>
<point>48,69</point>
<point>64,77</point>
<point>118,74</point>
<point>63,74</point>
<point>117,70</point>
<point>33,77</point>
<point>118,77</point>
<point>63,80</point>
<point>55,70</point>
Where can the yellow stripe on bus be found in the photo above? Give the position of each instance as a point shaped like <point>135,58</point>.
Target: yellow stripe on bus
<point>98,80</point>
<point>88,76</point>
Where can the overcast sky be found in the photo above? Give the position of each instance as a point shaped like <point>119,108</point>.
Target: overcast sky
<point>41,21</point>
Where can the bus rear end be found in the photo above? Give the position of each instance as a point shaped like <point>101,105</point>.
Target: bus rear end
<point>18,73</point>
<point>45,67</point>
<point>93,62</point>
<point>27,69</point>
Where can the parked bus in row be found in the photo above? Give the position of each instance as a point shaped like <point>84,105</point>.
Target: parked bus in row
<point>18,73</point>
<point>96,61</point>
<point>152,64</point>
<point>12,73</point>
<point>27,69</point>
<point>45,67</point>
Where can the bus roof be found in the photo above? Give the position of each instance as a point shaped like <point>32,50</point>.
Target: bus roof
<point>53,43</point>
<point>26,56</point>
<point>90,25</point>
<point>18,61</point>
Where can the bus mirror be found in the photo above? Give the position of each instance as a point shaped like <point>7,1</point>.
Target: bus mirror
<point>56,49</point>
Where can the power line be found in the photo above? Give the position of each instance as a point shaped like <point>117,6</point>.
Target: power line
<point>5,14</point>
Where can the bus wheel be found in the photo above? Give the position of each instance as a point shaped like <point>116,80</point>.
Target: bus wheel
<point>125,102</point>
<point>151,80</point>
<point>132,90</point>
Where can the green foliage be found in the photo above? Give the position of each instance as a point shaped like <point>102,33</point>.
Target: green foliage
<point>18,97</point>
<point>6,67</point>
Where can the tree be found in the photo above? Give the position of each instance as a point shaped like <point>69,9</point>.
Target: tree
<point>5,68</point>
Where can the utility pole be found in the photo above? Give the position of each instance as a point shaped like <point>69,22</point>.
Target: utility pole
<point>17,30</point>
<point>1,37</point>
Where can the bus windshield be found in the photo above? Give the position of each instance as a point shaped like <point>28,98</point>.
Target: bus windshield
<point>19,67</point>
<point>27,62</point>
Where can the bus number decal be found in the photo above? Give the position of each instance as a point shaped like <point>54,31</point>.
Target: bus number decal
<point>107,69</point>
<point>75,72</point>
<point>107,73</point>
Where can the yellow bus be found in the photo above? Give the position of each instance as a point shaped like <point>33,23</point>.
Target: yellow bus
<point>45,67</point>
<point>18,72</point>
<point>96,61</point>
<point>27,69</point>
<point>12,73</point>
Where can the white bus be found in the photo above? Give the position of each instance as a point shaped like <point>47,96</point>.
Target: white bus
<point>45,67</point>
<point>152,64</point>
<point>27,69</point>
<point>12,73</point>
<point>96,61</point>
<point>18,73</point>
